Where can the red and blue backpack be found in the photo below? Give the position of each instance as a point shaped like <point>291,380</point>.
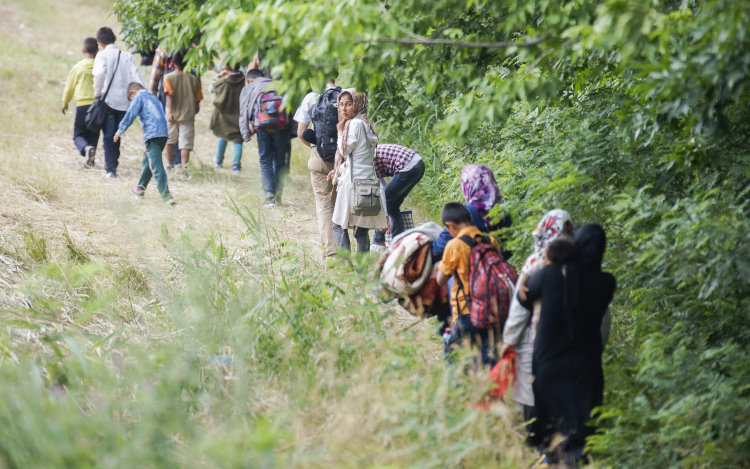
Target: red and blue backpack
<point>491,283</point>
<point>269,113</point>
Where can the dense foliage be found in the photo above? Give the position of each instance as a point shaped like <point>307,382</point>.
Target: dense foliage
<point>630,113</point>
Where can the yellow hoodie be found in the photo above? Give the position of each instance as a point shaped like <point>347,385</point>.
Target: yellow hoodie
<point>81,82</point>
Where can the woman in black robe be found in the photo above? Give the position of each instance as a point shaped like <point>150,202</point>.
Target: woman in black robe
<point>567,358</point>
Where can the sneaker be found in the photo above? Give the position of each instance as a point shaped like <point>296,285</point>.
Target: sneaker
<point>110,175</point>
<point>90,154</point>
<point>270,202</point>
<point>137,191</point>
<point>169,200</point>
<point>236,169</point>
<point>378,248</point>
<point>217,165</point>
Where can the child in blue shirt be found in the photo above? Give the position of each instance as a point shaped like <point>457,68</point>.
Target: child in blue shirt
<point>148,108</point>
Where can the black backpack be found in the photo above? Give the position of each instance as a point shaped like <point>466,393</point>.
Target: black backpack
<point>325,117</point>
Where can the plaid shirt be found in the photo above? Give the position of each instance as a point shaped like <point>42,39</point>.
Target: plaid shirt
<point>390,159</point>
<point>158,69</point>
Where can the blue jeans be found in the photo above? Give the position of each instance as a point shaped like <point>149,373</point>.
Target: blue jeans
<point>111,148</point>
<point>221,148</point>
<point>273,148</point>
<point>153,166</point>
<point>395,193</point>
<point>341,236</point>
<point>463,330</point>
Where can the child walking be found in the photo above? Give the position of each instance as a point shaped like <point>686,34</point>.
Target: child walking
<point>184,95</point>
<point>225,120</point>
<point>148,108</point>
<point>80,86</point>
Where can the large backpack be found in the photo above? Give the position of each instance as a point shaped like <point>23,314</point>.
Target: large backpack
<point>325,116</point>
<point>269,113</point>
<point>491,283</point>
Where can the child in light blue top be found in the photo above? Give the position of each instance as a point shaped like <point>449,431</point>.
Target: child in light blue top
<point>148,108</point>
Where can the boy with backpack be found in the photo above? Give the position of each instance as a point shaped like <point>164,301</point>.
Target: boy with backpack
<point>321,110</point>
<point>483,285</point>
<point>80,85</point>
<point>262,113</point>
<point>184,95</point>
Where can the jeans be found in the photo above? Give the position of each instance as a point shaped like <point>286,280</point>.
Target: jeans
<point>221,147</point>
<point>273,148</point>
<point>395,192</point>
<point>111,148</point>
<point>362,236</point>
<point>485,339</point>
<point>153,165</point>
<point>82,136</point>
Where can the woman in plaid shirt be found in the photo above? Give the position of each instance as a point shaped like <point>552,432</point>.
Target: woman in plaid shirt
<point>405,168</point>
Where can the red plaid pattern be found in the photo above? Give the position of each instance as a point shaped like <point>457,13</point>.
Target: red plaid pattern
<point>390,159</point>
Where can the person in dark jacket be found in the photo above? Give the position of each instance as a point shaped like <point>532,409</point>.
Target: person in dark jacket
<point>225,120</point>
<point>567,359</point>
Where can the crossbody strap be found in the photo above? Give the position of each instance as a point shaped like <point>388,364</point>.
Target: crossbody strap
<point>113,76</point>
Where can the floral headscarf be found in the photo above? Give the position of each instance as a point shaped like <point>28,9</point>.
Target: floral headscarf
<point>360,112</point>
<point>479,188</point>
<point>555,223</point>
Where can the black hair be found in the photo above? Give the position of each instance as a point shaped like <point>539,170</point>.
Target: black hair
<point>234,67</point>
<point>105,35</point>
<point>179,59</point>
<point>135,86</point>
<point>562,251</point>
<point>253,73</point>
<point>90,46</point>
<point>456,213</point>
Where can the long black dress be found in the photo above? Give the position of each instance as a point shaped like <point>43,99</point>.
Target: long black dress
<point>567,359</point>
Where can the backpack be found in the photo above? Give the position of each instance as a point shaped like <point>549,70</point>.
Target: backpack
<point>491,283</point>
<point>269,113</point>
<point>325,116</point>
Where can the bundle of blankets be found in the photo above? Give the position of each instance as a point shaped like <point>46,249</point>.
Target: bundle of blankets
<point>409,273</point>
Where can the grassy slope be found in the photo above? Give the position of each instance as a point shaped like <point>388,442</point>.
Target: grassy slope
<point>137,335</point>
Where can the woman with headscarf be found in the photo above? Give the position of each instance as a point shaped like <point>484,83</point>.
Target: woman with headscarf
<point>567,361</point>
<point>518,332</point>
<point>481,194</point>
<point>355,155</point>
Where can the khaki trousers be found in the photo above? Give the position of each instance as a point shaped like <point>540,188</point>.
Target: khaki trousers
<point>319,170</point>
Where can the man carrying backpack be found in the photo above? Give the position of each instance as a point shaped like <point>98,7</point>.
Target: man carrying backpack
<point>483,285</point>
<point>262,113</point>
<point>320,109</point>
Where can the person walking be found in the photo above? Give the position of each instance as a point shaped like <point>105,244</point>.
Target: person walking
<point>80,85</point>
<point>567,360</point>
<point>274,143</point>
<point>225,120</point>
<point>405,168</point>
<point>357,141</point>
<point>113,70</point>
<point>519,332</point>
<point>321,109</point>
<point>184,95</point>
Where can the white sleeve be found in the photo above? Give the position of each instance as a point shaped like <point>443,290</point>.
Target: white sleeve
<point>518,319</point>
<point>304,112</point>
<point>99,72</point>
<point>355,129</point>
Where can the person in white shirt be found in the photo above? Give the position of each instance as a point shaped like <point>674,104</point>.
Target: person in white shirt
<point>113,71</point>
<point>318,167</point>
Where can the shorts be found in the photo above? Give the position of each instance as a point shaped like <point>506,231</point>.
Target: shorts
<point>181,133</point>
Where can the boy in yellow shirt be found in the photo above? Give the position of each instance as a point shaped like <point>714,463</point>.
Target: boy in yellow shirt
<point>80,86</point>
<point>455,263</point>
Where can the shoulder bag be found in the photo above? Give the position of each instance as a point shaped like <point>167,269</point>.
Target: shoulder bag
<point>365,200</point>
<point>97,112</point>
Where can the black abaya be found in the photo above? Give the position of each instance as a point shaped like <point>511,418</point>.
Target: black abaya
<point>567,360</point>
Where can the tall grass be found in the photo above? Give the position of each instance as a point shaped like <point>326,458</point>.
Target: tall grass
<point>271,362</point>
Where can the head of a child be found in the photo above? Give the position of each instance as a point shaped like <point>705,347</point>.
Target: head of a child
<point>232,67</point>
<point>455,217</point>
<point>560,251</point>
<point>105,36</point>
<point>90,47</point>
<point>252,75</point>
<point>133,89</point>
<point>179,60</point>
